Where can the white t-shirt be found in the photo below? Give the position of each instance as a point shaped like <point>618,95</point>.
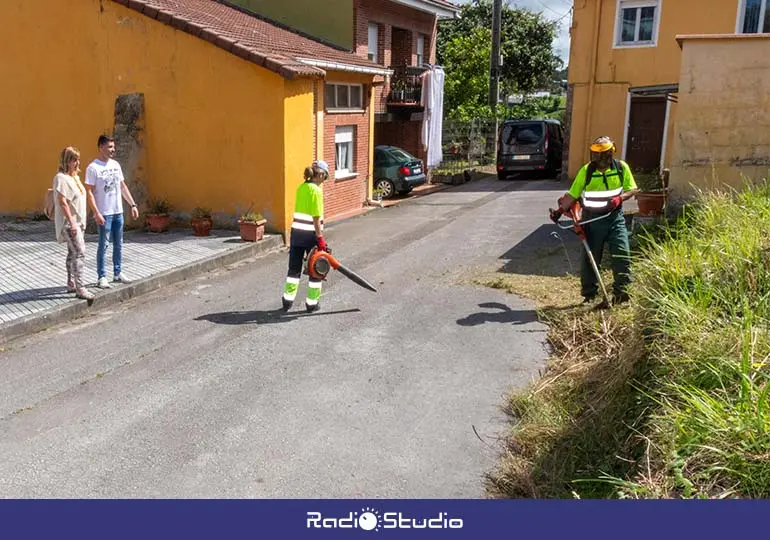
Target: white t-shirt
<point>106,179</point>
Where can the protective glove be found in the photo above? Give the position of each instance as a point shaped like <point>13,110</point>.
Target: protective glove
<point>322,243</point>
<point>555,214</point>
<point>615,202</point>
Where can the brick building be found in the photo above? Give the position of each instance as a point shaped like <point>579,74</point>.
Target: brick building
<point>397,35</point>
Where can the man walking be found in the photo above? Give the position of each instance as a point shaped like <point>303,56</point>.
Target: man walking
<point>106,189</point>
<point>602,185</point>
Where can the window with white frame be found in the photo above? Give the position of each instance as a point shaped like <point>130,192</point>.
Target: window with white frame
<point>374,40</point>
<point>637,23</point>
<point>343,144</point>
<point>420,49</point>
<point>754,17</point>
<point>340,96</point>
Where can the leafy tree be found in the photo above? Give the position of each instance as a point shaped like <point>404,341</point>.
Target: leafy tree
<point>467,81</point>
<point>463,48</point>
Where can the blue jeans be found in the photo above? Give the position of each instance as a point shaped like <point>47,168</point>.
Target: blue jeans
<point>111,231</point>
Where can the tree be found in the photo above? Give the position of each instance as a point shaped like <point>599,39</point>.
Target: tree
<point>467,81</point>
<point>526,45</point>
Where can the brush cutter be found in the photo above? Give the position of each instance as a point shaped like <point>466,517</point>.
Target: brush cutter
<point>575,212</point>
<point>320,263</point>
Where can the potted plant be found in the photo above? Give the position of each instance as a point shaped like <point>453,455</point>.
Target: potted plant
<point>399,91</point>
<point>201,221</point>
<point>652,194</point>
<point>252,226</point>
<point>377,195</point>
<point>158,216</point>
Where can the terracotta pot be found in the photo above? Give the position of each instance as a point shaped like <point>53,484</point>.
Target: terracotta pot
<point>650,204</point>
<point>158,222</point>
<point>252,231</point>
<point>201,226</point>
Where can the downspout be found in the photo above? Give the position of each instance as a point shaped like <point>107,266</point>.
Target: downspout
<point>592,81</point>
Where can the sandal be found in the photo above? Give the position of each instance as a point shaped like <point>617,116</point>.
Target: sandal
<point>85,294</point>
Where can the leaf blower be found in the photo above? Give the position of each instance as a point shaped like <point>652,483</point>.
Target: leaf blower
<point>575,213</point>
<point>320,263</point>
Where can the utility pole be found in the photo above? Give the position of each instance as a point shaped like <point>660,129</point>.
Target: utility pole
<point>494,61</point>
<point>494,64</point>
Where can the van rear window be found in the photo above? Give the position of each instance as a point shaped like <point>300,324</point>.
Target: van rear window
<point>514,134</point>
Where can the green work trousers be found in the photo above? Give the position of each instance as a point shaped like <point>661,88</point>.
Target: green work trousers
<point>611,230</point>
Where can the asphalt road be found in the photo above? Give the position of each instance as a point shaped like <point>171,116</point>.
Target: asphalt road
<point>206,390</point>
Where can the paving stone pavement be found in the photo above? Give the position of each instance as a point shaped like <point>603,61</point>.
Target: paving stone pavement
<point>33,272</point>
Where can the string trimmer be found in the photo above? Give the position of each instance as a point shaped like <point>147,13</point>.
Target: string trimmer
<point>575,213</point>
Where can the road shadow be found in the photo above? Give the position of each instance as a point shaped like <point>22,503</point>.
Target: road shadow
<point>272,316</point>
<point>502,314</point>
<point>546,251</point>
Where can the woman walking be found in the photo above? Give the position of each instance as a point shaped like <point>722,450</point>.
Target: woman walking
<point>306,233</point>
<point>70,219</point>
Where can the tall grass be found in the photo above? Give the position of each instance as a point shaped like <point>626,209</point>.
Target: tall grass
<point>667,397</point>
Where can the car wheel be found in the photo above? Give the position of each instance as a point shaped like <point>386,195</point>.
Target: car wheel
<point>386,186</point>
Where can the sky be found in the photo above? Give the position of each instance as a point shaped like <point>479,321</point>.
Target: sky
<point>551,10</point>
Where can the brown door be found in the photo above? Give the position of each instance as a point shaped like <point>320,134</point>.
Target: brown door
<point>647,121</point>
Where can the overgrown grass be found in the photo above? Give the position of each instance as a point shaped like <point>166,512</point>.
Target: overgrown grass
<point>667,396</point>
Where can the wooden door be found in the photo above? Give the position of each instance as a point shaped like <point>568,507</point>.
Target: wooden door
<point>647,122</point>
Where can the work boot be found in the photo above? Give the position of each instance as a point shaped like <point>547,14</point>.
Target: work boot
<point>314,307</point>
<point>620,297</point>
<point>286,304</point>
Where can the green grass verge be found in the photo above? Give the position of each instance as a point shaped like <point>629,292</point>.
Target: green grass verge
<point>666,396</point>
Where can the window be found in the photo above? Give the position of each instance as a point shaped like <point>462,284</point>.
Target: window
<point>637,23</point>
<point>754,17</point>
<point>343,143</point>
<point>374,40</point>
<point>420,49</point>
<point>344,97</point>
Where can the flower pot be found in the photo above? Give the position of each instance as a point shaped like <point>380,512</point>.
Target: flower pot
<point>201,226</point>
<point>650,204</point>
<point>158,222</point>
<point>252,231</point>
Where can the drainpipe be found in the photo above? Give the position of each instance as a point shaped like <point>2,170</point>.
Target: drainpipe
<point>592,81</point>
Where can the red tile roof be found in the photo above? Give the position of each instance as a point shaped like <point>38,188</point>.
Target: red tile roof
<point>247,36</point>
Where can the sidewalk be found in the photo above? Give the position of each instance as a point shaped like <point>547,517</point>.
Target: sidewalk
<point>33,271</point>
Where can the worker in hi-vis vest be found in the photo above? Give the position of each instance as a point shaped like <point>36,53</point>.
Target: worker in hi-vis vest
<point>306,233</point>
<point>602,185</point>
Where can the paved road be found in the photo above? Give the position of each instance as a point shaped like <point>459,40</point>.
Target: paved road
<point>205,390</point>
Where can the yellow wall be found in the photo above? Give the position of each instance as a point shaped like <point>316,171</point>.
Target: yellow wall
<point>298,139</point>
<point>723,129</point>
<point>214,122</point>
<point>601,74</point>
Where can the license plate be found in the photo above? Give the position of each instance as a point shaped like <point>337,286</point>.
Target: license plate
<point>416,171</point>
<point>519,158</point>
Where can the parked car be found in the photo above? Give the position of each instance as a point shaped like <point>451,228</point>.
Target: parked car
<point>396,171</point>
<point>529,146</point>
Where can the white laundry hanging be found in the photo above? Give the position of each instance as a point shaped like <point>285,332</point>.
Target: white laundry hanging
<point>433,115</point>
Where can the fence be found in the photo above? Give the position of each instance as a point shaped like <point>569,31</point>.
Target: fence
<point>467,145</point>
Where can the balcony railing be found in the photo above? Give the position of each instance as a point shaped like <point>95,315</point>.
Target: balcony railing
<point>406,86</point>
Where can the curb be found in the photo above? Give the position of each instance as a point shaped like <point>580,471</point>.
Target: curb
<point>38,322</point>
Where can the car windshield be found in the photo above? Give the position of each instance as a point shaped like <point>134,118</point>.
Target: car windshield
<point>401,156</point>
<point>522,134</point>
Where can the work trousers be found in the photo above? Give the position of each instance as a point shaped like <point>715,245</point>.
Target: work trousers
<point>296,259</point>
<point>612,231</point>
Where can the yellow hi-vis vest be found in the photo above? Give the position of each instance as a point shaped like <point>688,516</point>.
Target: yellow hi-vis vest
<point>596,190</point>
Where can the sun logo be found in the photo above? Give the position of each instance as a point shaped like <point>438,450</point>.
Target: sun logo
<point>369,520</point>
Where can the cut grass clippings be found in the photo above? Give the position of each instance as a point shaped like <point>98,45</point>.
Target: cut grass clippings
<point>666,396</point>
